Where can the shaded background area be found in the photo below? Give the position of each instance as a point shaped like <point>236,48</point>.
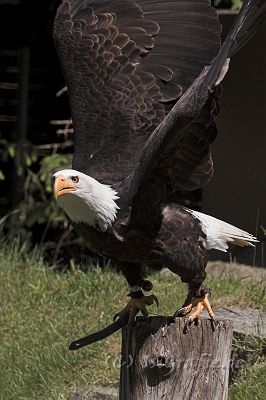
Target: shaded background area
<point>30,147</point>
<point>237,192</point>
<point>28,58</point>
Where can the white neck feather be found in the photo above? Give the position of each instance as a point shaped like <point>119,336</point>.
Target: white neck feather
<point>94,204</point>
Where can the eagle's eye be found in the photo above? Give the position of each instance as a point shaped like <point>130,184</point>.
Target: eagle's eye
<point>75,179</point>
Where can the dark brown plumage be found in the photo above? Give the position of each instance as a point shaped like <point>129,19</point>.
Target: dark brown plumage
<point>121,66</point>
<point>170,238</point>
<point>144,83</point>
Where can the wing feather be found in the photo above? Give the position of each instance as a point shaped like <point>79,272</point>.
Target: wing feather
<point>177,156</point>
<point>123,61</point>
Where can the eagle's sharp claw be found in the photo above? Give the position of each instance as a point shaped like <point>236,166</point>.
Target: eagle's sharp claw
<point>116,316</point>
<point>214,323</point>
<point>187,324</point>
<point>155,298</point>
<point>179,312</point>
<point>199,303</point>
<point>182,311</point>
<point>145,313</point>
<point>137,304</point>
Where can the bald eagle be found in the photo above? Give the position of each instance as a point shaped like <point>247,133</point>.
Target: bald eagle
<point>143,81</point>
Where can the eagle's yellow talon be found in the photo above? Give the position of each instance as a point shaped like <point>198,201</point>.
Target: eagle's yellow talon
<point>181,312</point>
<point>199,303</point>
<point>136,305</point>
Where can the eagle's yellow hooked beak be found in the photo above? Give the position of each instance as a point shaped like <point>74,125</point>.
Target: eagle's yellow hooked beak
<point>62,186</point>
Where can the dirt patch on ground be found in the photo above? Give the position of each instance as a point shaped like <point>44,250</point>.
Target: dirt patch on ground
<point>237,271</point>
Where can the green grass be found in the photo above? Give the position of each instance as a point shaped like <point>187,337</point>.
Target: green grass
<point>42,311</point>
<point>251,385</point>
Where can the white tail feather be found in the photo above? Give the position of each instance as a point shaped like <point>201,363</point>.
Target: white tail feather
<point>220,233</point>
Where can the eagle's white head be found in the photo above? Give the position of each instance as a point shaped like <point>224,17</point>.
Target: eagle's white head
<point>84,199</point>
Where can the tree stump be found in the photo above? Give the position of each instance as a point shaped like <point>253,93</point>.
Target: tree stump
<point>159,361</point>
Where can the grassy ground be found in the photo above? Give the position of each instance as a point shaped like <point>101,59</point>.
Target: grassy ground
<point>41,311</point>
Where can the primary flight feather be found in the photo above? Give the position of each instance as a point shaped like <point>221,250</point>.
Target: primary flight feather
<point>143,81</point>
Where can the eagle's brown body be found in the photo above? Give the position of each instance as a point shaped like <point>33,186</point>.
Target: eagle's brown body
<point>171,237</point>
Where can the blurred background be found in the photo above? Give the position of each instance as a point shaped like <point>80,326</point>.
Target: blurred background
<point>36,137</point>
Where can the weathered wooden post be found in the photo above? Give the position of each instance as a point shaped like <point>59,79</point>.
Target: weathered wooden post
<point>159,361</point>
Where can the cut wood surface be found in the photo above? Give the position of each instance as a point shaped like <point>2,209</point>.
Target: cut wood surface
<point>159,361</point>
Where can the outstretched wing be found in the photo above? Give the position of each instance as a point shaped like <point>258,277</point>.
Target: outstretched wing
<point>177,155</point>
<point>124,61</point>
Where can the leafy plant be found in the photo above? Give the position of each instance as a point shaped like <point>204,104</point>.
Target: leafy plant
<point>232,4</point>
<point>51,164</point>
<point>37,206</point>
<point>38,218</point>
<point>24,155</point>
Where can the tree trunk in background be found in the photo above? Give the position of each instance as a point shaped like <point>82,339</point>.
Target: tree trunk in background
<point>21,125</point>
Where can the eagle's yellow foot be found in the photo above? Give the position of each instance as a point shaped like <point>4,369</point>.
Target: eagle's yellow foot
<point>199,303</point>
<point>135,305</point>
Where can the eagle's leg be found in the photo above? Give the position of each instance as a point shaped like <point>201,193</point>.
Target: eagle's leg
<point>198,298</point>
<point>138,302</point>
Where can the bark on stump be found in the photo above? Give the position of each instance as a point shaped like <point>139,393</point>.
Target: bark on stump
<point>159,361</point>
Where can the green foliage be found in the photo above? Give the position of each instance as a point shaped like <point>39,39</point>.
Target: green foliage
<point>251,385</point>
<point>2,176</point>
<point>24,155</point>
<point>37,206</point>
<point>236,4</point>
<point>38,210</point>
<point>50,165</point>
